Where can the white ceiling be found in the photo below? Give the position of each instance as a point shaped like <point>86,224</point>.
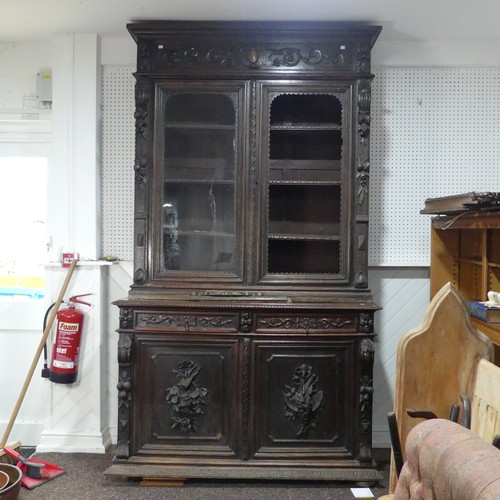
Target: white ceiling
<point>412,20</point>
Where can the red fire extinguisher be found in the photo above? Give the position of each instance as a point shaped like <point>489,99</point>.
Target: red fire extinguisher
<point>66,348</point>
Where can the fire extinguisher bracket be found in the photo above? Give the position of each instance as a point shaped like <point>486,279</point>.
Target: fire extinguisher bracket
<point>75,299</point>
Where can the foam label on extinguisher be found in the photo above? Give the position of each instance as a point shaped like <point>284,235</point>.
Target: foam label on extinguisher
<point>68,327</point>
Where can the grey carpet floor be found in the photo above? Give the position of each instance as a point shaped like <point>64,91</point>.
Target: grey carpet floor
<point>84,479</point>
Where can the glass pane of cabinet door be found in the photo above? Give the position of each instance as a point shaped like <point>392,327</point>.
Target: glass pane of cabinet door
<point>306,145</point>
<point>198,152</point>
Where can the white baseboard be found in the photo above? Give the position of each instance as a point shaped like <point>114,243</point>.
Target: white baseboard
<point>27,433</point>
<point>74,443</point>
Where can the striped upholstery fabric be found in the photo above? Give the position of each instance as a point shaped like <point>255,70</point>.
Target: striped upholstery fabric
<point>447,461</point>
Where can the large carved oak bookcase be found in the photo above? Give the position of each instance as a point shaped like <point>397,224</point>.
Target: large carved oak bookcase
<point>246,342</point>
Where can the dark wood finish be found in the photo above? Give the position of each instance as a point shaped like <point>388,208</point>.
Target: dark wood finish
<point>246,342</point>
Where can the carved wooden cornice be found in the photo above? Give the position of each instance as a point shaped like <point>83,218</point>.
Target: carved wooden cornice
<point>157,58</point>
<point>336,47</point>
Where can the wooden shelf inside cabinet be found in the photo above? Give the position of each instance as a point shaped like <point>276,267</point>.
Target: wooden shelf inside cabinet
<point>478,262</point>
<point>303,237</point>
<point>210,234</point>
<point>306,126</point>
<point>189,170</point>
<point>475,262</point>
<point>303,183</point>
<point>305,172</point>
<point>198,182</point>
<point>491,329</point>
<point>199,126</point>
<point>305,164</point>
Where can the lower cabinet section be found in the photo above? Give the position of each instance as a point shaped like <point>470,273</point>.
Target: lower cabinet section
<point>215,403</point>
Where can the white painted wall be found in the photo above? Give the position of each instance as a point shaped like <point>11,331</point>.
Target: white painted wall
<point>21,323</point>
<point>402,292</point>
<point>436,54</point>
<point>19,65</point>
<point>74,218</point>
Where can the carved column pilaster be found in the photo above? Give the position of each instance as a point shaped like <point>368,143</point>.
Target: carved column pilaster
<point>252,207</point>
<point>142,174</point>
<point>361,181</point>
<point>124,387</point>
<point>366,400</point>
<point>245,403</point>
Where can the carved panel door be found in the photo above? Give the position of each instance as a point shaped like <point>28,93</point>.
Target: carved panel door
<point>305,395</point>
<point>186,401</point>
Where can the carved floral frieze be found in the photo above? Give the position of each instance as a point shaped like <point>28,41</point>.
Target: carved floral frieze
<point>305,323</point>
<point>335,56</point>
<point>185,322</point>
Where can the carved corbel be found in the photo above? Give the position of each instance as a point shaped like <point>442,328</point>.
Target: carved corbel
<point>366,322</point>
<point>361,280</point>
<point>246,320</point>
<point>126,318</point>
<point>140,277</point>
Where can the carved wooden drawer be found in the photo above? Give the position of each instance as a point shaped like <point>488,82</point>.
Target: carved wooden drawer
<point>187,322</point>
<point>306,324</point>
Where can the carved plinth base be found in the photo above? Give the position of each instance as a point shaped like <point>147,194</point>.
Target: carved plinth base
<point>172,473</point>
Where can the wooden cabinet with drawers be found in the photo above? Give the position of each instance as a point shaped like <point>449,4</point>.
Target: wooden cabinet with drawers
<point>246,342</point>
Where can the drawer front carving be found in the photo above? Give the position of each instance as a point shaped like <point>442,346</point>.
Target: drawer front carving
<point>342,322</point>
<point>198,323</point>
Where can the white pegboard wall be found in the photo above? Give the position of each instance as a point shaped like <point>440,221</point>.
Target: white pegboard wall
<point>118,143</point>
<point>434,132</point>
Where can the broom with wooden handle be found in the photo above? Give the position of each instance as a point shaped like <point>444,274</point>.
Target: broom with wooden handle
<point>38,353</point>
